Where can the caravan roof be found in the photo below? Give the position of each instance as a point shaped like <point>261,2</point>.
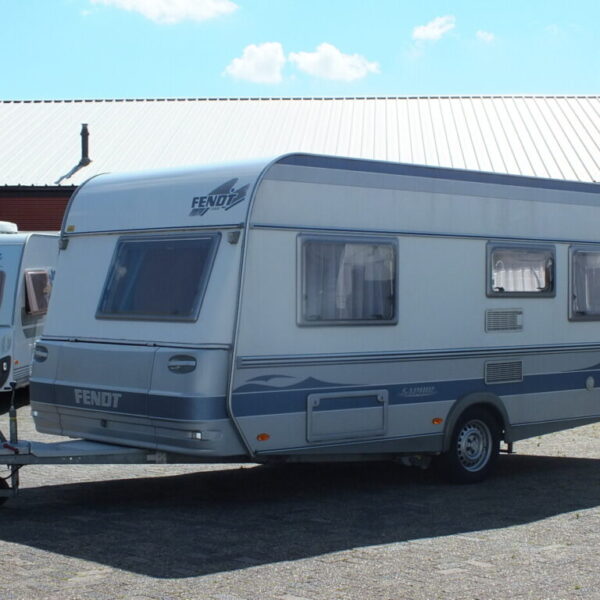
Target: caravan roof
<point>219,194</point>
<point>8,227</point>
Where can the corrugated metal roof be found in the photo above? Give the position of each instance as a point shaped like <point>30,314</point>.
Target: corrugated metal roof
<point>546,136</point>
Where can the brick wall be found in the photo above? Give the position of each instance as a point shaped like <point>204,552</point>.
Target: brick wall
<point>34,209</point>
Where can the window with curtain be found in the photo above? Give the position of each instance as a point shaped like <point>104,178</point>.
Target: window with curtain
<point>2,278</point>
<point>521,271</point>
<point>585,289</point>
<point>345,280</point>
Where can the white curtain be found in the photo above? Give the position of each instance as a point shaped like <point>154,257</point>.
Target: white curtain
<point>586,283</point>
<point>521,270</point>
<point>348,281</point>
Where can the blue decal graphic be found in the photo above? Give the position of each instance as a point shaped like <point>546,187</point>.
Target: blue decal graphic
<point>306,384</point>
<point>223,197</point>
<point>267,378</point>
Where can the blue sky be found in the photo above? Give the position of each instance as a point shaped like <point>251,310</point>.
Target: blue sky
<point>69,49</point>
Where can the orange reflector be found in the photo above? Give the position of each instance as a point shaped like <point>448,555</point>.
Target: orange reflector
<point>263,437</point>
<point>437,421</point>
<point>16,362</point>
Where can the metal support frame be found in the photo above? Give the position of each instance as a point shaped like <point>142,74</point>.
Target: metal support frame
<point>11,445</point>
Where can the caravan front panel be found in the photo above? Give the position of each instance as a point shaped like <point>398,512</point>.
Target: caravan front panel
<point>142,354</point>
<point>27,263</point>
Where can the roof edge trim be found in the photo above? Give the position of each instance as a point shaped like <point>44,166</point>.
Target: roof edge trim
<point>407,169</point>
<point>291,98</point>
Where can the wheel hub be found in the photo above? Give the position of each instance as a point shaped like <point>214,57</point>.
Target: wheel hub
<point>474,445</point>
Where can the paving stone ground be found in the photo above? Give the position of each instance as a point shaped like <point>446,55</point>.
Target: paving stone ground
<point>328,532</point>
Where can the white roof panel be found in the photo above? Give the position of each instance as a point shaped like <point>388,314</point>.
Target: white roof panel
<point>547,136</point>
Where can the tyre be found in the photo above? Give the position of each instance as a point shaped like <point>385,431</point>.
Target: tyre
<point>474,447</point>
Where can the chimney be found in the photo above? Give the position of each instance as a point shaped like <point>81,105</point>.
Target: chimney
<point>85,134</point>
<point>85,159</point>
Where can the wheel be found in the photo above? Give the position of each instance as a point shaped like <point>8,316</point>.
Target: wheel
<point>3,486</point>
<point>474,447</point>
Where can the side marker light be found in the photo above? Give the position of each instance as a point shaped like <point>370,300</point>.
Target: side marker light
<point>437,421</point>
<point>263,437</point>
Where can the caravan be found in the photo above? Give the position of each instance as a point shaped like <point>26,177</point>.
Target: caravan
<point>320,308</point>
<point>27,263</point>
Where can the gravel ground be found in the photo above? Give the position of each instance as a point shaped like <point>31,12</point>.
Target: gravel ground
<point>329,532</point>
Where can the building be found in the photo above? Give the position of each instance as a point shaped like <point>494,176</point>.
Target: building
<point>44,156</point>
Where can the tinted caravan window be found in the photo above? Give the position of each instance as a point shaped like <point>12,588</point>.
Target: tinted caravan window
<point>348,281</point>
<point>162,278</point>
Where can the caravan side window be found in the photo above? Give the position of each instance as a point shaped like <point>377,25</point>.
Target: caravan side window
<point>585,284</point>
<point>347,280</point>
<point>158,278</point>
<point>37,292</point>
<point>520,270</point>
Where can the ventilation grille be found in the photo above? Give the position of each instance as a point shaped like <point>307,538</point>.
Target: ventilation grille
<point>22,374</point>
<point>504,320</point>
<point>504,372</point>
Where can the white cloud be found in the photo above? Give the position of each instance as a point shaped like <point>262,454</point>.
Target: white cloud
<point>485,36</point>
<point>261,63</point>
<point>328,62</point>
<point>174,11</point>
<point>435,29</point>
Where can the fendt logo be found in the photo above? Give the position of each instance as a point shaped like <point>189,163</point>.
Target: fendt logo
<point>223,197</point>
<point>97,398</point>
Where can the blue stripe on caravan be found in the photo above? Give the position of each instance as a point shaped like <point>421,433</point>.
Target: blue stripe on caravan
<point>271,400</point>
<point>185,408</point>
<point>290,400</point>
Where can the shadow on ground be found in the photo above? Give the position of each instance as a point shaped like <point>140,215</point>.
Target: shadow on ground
<point>21,399</point>
<point>213,521</point>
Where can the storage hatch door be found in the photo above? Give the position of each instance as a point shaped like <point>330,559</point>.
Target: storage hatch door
<point>346,415</point>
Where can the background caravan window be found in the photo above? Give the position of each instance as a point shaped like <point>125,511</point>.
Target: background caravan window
<point>585,284</point>
<point>158,278</point>
<point>520,271</point>
<point>37,288</point>
<point>348,281</point>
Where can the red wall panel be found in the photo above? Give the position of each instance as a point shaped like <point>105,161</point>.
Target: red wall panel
<point>34,212</point>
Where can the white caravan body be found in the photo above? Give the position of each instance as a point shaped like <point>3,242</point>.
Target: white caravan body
<point>27,262</point>
<point>313,307</point>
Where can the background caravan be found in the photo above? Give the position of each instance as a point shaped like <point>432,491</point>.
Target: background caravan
<point>27,263</point>
<point>322,308</point>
